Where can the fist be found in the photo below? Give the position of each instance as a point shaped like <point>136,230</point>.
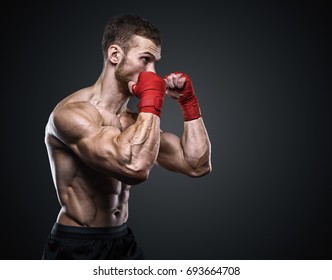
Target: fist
<point>174,84</point>
<point>148,82</point>
<point>150,89</point>
<point>179,87</point>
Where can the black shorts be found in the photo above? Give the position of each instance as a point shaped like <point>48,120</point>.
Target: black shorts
<point>81,243</point>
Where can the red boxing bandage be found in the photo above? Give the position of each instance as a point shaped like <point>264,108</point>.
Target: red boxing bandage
<point>188,102</point>
<point>150,89</point>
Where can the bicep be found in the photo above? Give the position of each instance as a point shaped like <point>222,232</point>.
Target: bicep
<point>101,150</point>
<point>80,128</point>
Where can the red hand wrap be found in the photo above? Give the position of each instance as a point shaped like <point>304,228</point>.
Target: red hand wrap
<point>150,89</point>
<point>188,102</point>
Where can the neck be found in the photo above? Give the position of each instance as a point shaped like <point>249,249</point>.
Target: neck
<point>108,94</point>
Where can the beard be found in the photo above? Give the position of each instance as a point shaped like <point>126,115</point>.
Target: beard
<point>123,77</point>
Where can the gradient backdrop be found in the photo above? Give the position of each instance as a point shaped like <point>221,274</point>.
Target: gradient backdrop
<point>262,73</point>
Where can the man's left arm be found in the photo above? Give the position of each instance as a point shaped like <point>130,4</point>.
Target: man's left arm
<point>190,154</point>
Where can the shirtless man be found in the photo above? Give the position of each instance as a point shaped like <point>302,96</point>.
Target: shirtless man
<point>98,148</point>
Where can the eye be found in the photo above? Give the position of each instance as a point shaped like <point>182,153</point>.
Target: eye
<point>146,59</point>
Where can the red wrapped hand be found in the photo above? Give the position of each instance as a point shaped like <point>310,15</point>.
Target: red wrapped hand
<point>187,100</point>
<point>150,89</point>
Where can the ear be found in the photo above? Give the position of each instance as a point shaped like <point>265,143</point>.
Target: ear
<point>115,54</point>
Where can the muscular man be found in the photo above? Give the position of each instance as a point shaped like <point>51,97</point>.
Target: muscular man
<point>98,148</point>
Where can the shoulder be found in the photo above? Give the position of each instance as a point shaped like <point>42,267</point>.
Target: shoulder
<point>73,119</point>
<point>74,105</point>
<point>70,112</point>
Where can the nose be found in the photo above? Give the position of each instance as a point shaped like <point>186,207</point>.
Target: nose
<point>151,67</point>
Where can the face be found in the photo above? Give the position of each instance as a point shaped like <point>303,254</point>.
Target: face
<point>142,57</point>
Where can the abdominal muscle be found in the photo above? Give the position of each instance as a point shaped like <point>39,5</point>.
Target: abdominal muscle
<point>99,208</point>
<point>87,197</point>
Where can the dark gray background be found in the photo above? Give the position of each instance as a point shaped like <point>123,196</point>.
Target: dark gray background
<point>262,73</point>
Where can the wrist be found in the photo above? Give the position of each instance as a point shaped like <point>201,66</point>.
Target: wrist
<point>151,103</point>
<point>150,89</point>
<point>190,109</point>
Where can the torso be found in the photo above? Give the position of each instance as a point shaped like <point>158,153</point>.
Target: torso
<point>87,197</point>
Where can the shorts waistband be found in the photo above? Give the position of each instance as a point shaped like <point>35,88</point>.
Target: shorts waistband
<point>60,230</point>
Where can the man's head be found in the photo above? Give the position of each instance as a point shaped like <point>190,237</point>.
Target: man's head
<point>121,29</point>
<point>131,45</point>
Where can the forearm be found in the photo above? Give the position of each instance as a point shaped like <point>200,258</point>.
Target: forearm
<point>138,145</point>
<point>196,146</point>
<point>193,149</point>
<point>142,139</point>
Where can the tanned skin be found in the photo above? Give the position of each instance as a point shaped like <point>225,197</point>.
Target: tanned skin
<point>98,149</point>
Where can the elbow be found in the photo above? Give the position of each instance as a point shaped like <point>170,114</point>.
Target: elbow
<point>200,171</point>
<point>198,167</point>
<point>139,177</point>
<point>136,174</point>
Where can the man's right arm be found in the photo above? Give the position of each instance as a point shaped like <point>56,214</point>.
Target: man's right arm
<point>125,155</point>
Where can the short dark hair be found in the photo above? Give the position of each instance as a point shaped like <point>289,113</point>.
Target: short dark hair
<point>120,30</point>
